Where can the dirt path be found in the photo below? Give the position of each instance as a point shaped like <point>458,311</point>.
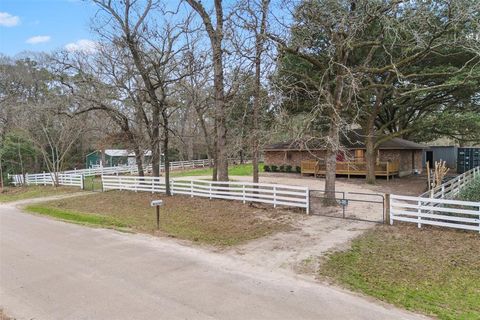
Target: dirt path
<point>314,235</point>
<point>295,252</point>
<point>24,202</point>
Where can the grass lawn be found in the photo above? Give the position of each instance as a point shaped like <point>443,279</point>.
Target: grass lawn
<point>215,222</point>
<point>234,170</point>
<point>19,193</point>
<point>430,270</point>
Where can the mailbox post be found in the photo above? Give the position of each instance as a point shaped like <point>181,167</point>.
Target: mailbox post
<point>157,203</point>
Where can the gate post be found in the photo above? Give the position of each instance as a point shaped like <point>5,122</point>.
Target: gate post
<point>387,209</point>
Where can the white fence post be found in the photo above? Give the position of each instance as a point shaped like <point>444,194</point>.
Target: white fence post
<point>274,196</point>
<point>191,188</point>
<point>307,197</point>
<point>419,212</point>
<point>244,193</point>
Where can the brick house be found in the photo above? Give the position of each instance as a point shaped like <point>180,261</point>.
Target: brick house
<point>406,153</point>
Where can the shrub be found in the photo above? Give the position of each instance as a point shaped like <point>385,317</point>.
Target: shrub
<point>266,168</point>
<point>274,168</point>
<point>298,169</point>
<point>282,168</point>
<point>288,168</point>
<point>471,192</point>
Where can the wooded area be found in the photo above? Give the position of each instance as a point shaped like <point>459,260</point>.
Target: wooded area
<point>220,79</point>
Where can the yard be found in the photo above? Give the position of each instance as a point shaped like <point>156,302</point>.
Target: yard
<point>430,270</point>
<point>245,169</point>
<point>20,193</point>
<point>214,222</point>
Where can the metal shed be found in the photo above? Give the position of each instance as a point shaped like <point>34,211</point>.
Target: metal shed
<point>441,153</point>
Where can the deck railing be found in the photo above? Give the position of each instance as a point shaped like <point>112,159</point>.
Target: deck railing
<point>351,168</point>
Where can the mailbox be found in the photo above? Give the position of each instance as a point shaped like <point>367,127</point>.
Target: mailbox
<point>158,204</point>
<point>155,203</point>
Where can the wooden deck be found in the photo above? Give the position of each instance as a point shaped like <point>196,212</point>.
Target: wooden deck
<point>382,169</point>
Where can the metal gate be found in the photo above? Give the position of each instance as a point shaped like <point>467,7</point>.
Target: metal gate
<point>349,205</point>
<point>93,183</point>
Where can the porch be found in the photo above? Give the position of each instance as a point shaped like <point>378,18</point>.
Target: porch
<point>353,168</point>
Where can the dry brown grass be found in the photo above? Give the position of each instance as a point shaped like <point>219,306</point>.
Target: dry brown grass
<point>216,222</point>
<point>3,316</point>
<point>19,193</point>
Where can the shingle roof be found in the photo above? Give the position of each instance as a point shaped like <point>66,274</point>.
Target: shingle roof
<point>354,139</point>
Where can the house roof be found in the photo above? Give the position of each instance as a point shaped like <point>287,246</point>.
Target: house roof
<point>124,153</point>
<point>354,139</point>
<point>116,152</point>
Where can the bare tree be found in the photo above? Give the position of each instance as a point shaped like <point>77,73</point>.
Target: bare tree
<point>216,35</point>
<point>254,16</point>
<point>155,52</point>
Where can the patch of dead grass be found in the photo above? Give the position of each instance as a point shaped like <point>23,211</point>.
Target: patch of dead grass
<point>216,222</point>
<point>20,193</point>
<point>3,316</point>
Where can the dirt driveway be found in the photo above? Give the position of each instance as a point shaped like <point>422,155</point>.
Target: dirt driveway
<point>316,234</point>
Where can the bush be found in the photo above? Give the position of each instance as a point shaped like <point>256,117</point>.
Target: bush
<point>266,168</point>
<point>298,169</point>
<point>288,168</point>
<point>282,168</point>
<point>274,168</point>
<point>471,192</point>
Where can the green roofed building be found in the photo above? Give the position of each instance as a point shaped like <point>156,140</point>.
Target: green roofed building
<point>113,157</point>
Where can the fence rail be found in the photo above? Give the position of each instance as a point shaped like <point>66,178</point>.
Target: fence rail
<point>45,179</point>
<point>438,212</point>
<point>18,179</point>
<point>284,195</point>
<point>452,187</point>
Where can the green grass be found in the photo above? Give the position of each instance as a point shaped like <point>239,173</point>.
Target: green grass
<point>234,170</point>
<point>433,271</point>
<point>76,217</point>
<point>214,222</point>
<point>21,193</point>
<point>471,192</point>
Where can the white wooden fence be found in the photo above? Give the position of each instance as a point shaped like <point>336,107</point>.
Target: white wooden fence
<point>452,187</point>
<point>437,207</point>
<point>181,165</point>
<point>74,180</point>
<point>437,212</point>
<point>275,194</point>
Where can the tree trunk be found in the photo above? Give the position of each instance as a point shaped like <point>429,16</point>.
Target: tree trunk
<point>256,99</point>
<point>256,107</point>
<point>331,161</point>
<point>210,146</point>
<point>215,155</point>
<point>165,148</point>
<point>370,157</point>
<point>139,160</point>
<point>221,162</point>
<point>156,155</point>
